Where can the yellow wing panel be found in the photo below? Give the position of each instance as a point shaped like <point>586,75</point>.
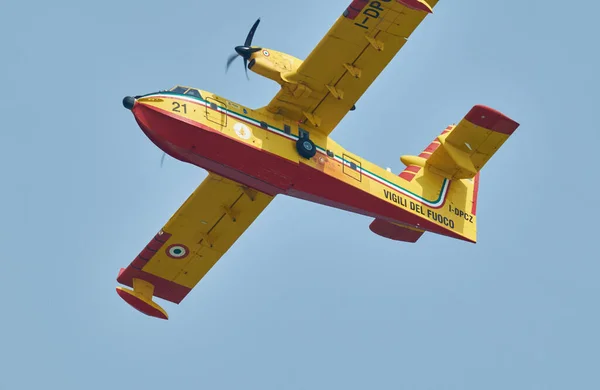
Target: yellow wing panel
<point>347,60</point>
<point>464,150</point>
<point>208,223</point>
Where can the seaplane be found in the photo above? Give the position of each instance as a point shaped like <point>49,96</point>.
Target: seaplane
<point>285,148</point>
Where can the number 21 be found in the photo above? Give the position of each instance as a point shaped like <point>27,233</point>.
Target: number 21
<point>177,106</point>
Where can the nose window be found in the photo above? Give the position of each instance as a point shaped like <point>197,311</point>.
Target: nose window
<point>179,89</point>
<point>193,92</point>
<point>186,91</point>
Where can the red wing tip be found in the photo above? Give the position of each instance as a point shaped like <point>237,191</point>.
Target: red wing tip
<point>491,119</point>
<point>141,305</point>
<point>419,5</point>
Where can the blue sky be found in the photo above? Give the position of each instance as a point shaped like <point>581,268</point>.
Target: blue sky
<point>308,297</point>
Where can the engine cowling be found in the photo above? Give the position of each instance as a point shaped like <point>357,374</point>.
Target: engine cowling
<point>274,65</point>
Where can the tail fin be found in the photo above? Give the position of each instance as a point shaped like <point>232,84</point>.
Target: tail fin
<point>457,155</point>
<point>461,151</point>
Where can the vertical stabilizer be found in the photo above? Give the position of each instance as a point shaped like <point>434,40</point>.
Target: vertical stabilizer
<point>456,158</point>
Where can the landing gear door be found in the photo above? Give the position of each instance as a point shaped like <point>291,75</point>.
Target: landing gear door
<point>216,112</point>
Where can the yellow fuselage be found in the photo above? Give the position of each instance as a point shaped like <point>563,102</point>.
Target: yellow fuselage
<point>258,149</point>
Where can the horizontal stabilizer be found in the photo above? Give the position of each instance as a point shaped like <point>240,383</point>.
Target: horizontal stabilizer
<point>462,150</point>
<point>395,232</point>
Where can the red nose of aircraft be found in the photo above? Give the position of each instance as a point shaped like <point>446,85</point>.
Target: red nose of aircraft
<point>128,102</point>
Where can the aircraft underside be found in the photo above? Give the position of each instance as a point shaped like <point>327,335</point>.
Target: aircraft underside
<point>285,148</point>
<point>207,148</point>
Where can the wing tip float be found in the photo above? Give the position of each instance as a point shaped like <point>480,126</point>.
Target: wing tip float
<point>419,5</point>
<point>140,298</point>
<point>395,231</point>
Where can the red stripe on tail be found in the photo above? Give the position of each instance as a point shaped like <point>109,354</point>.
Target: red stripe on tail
<point>490,119</point>
<point>475,192</point>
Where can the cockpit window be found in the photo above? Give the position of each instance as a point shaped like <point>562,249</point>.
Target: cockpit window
<point>179,89</point>
<point>193,92</point>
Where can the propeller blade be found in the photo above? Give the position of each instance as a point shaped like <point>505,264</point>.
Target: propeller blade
<point>230,60</point>
<point>162,160</point>
<point>245,51</point>
<point>250,36</point>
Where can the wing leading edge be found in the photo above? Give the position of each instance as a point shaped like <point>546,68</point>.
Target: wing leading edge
<point>208,223</point>
<point>347,60</point>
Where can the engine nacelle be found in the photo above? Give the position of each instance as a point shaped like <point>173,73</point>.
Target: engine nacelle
<point>274,65</point>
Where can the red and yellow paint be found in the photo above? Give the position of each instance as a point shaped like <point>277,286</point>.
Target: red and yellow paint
<point>253,155</point>
<point>255,148</point>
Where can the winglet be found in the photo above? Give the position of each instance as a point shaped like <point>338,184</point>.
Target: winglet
<point>490,119</point>
<point>419,5</point>
<point>140,298</point>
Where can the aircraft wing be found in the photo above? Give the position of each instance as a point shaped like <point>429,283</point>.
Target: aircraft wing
<point>347,60</point>
<point>214,216</point>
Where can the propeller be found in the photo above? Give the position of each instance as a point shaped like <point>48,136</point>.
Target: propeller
<point>246,50</point>
<point>162,159</point>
